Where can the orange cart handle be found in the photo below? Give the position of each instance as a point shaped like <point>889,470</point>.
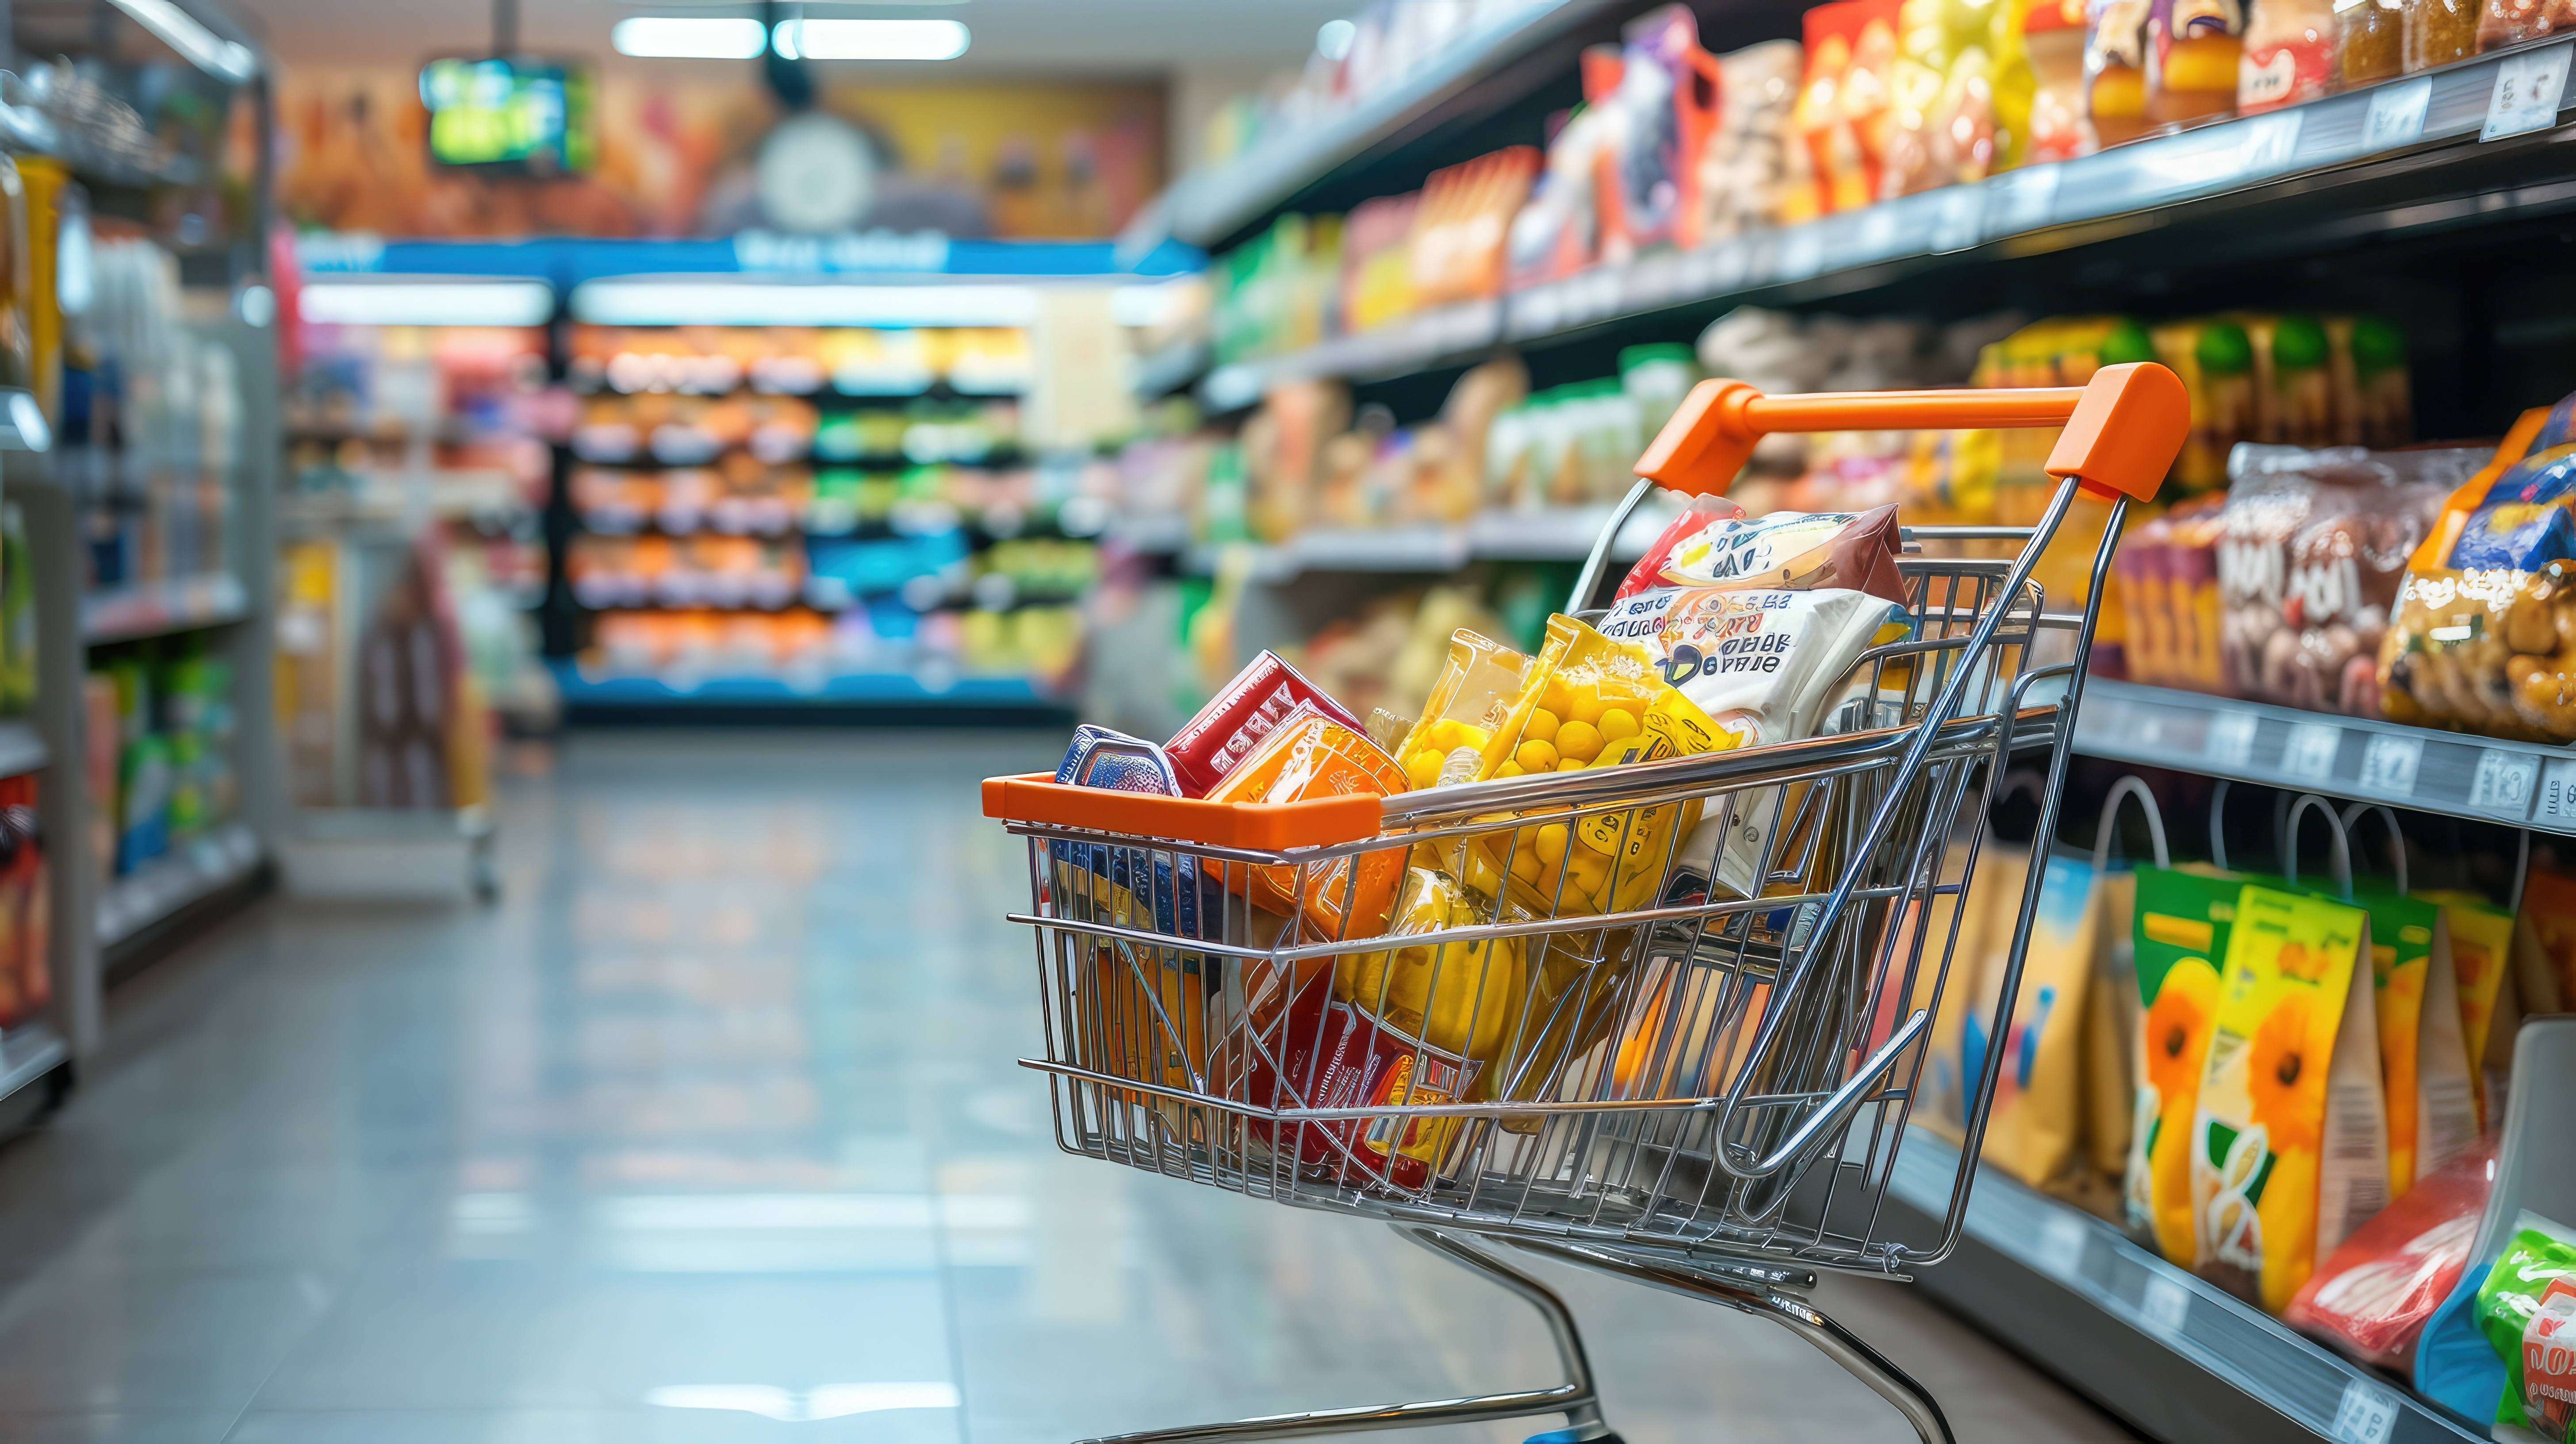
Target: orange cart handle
<point>2123,428</point>
<point>1252,826</point>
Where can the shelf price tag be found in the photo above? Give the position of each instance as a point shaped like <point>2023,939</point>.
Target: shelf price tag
<point>2503,783</point>
<point>2396,114</point>
<point>2367,1414</point>
<point>2231,739</point>
<point>2557,806</point>
<point>2389,764</point>
<point>2309,755</point>
<point>2270,141</point>
<point>2058,1250</point>
<point>1956,227</point>
<point>2165,1306</point>
<point>2527,87</point>
<point>1802,252</point>
<point>2022,200</point>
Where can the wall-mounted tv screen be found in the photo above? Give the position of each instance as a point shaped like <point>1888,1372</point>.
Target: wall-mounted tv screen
<point>517,114</point>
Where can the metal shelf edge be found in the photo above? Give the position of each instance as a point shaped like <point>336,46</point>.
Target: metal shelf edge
<point>2180,1331</point>
<point>161,888</point>
<point>28,1053</point>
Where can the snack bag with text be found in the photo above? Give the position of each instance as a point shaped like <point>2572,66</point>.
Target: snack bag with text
<point>2424,1068</point>
<point>1311,754</point>
<point>2180,937</point>
<point>2031,1131</point>
<point>2482,945</point>
<point>2290,1140</point>
<point>2527,1310</point>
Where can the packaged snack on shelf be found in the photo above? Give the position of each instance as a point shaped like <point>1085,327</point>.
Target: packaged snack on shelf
<point>2373,397</point>
<point>1959,94</point>
<point>1993,900</point>
<point>1314,751</point>
<point>1376,285</point>
<point>2053,37</point>
<point>2289,54</point>
<point>1664,107</point>
<point>1656,379</point>
<point>2115,69</point>
<point>1557,233</point>
<point>1843,108</point>
<point>2290,1148</point>
<point>1457,248</point>
<point>2166,573</point>
<point>2032,1131</point>
<point>2371,1297</point>
<point>2193,58</point>
<point>2527,1310</point>
<point>2181,938</point>
<point>1754,171</point>
<point>2314,551</point>
<point>2483,939</point>
<point>1237,718</point>
<point>2436,32</point>
<point>2544,943</point>
<point>2369,42</point>
<point>2423,1063</point>
<point>2215,360</point>
<point>2512,22</point>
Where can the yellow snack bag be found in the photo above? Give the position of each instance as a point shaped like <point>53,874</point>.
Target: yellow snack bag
<point>1460,997</point>
<point>2290,1141</point>
<point>2423,1067</point>
<point>2181,934</point>
<point>1480,682</point>
<point>2482,941</point>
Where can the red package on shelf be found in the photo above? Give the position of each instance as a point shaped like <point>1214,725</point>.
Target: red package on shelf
<point>1234,721</point>
<point>2373,1295</point>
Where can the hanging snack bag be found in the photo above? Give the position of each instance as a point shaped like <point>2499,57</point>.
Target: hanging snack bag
<point>1311,753</point>
<point>2031,1132</point>
<point>2183,921</point>
<point>2290,1140</point>
<point>2423,1065</point>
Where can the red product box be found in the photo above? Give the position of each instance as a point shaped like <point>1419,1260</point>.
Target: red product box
<point>1338,1055</point>
<point>1234,721</point>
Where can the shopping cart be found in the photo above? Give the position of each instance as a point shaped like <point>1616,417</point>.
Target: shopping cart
<point>1703,1090</point>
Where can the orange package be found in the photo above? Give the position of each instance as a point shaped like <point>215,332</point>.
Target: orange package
<point>1842,112</point>
<point>1310,755</point>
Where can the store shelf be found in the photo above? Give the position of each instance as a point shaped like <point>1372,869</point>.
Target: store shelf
<point>1559,534</point>
<point>27,1053</point>
<point>2485,778</point>
<point>1416,343</point>
<point>2175,1356</point>
<point>162,887</point>
<point>1206,207</point>
<point>1160,373</point>
<point>22,748</point>
<point>926,689</point>
<point>152,609</point>
<point>2394,158</point>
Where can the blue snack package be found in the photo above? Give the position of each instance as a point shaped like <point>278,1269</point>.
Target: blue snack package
<point>2526,521</point>
<point>1100,757</point>
<point>1104,758</point>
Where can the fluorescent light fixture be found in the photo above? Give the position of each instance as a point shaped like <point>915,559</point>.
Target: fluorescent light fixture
<point>827,39</point>
<point>427,301</point>
<point>689,37</point>
<point>224,59</point>
<point>1333,40</point>
<point>754,303</point>
<point>790,1406</point>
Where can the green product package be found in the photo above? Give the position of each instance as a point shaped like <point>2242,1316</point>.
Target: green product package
<point>2539,1254</point>
<point>2179,935</point>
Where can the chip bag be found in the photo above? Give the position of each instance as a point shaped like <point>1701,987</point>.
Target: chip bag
<point>2371,1297</point>
<point>1463,997</point>
<point>2290,1139</point>
<point>2527,1310</point>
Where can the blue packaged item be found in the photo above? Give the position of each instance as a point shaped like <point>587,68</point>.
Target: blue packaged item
<point>2559,429</point>
<point>1104,758</point>
<point>1100,757</point>
<point>2525,521</point>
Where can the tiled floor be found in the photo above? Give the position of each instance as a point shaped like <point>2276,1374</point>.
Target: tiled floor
<point>709,1131</point>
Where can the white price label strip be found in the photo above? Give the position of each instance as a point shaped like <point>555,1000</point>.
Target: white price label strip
<point>2165,1306</point>
<point>2389,763</point>
<point>2557,806</point>
<point>2058,1249</point>
<point>2231,739</point>
<point>2367,1414</point>
<point>2527,87</point>
<point>2503,783</point>
<point>2397,114</point>
<point>2309,755</point>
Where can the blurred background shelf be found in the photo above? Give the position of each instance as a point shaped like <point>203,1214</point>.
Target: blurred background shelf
<point>151,609</point>
<point>22,748</point>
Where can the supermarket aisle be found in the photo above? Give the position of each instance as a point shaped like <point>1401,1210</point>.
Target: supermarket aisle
<point>710,1132</point>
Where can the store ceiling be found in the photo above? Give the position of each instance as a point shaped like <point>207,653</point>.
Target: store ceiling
<point>1017,36</point>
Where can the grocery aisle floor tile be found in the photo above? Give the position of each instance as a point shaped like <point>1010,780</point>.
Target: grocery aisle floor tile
<point>710,1131</point>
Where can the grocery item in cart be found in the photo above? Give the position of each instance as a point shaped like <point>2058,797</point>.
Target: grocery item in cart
<point>2371,1297</point>
<point>1462,998</point>
<point>2527,1310</point>
<point>1479,682</point>
<point>2181,937</point>
<point>1315,753</point>
<point>2290,1138</point>
<point>1237,718</point>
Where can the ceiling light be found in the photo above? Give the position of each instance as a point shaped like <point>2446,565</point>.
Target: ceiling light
<point>753,303</point>
<point>689,37</point>
<point>1333,41</point>
<point>426,302</point>
<point>224,59</point>
<point>824,39</point>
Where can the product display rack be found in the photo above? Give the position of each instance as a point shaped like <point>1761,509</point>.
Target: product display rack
<point>2395,159</point>
<point>2172,1354</point>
